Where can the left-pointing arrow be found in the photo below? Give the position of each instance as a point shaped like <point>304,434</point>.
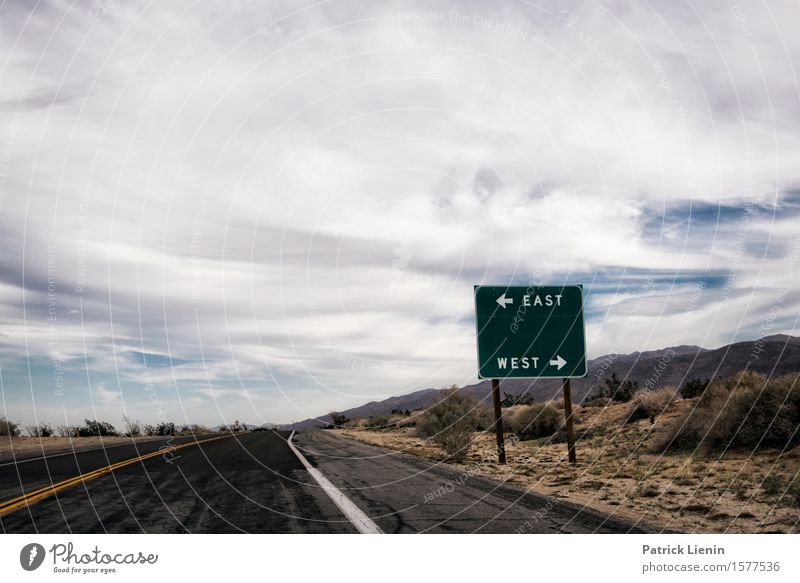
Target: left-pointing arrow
<point>504,301</point>
<point>558,361</point>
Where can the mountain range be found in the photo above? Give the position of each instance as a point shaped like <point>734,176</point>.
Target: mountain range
<point>771,355</point>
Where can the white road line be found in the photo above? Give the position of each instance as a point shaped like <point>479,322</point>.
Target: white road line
<point>354,514</point>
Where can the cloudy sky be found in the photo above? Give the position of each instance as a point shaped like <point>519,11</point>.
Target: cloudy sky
<point>265,211</point>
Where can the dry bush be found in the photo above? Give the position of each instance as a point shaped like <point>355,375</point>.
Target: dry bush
<point>191,429</point>
<point>41,430</point>
<point>133,427</point>
<point>67,431</point>
<point>650,404</point>
<point>537,420</point>
<point>596,402</point>
<point>484,418</point>
<point>92,427</point>
<point>694,388</point>
<point>746,410</point>
<point>8,427</point>
<point>450,424</point>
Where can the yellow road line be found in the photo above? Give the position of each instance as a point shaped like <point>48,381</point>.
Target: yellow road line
<point>10,506</point>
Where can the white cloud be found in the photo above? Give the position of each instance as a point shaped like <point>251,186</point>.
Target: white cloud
<point>305,197</point>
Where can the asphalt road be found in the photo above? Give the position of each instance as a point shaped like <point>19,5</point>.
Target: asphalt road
<point>406,494</point>
<point>246,483</point>
<point>253,482</point>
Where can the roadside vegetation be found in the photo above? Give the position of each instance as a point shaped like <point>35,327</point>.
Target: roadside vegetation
<point>450,423</point>
<point>99,428</point>
<point>650,404</point>
<point>536,420</point>
<point>23,441</point>
<point>744,411</point>
<point>615,390</point>
<point>8,428</point>
<point>719,455</point>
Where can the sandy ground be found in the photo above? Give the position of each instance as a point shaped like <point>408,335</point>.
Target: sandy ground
<point>25,447</point>
<point>614,474</point>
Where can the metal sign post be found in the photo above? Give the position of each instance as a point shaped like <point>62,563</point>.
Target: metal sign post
<point>567,390</point>
<point>498,422</point>
<point>530,332</point>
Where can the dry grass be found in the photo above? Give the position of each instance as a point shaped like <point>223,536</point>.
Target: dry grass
<point>617,473</point>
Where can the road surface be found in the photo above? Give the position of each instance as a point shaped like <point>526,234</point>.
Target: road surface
<point>244,483</point>
<point>254,482</point>
<point>404,494</point>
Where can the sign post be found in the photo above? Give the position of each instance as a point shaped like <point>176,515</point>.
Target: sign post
<point>498,422</point>
<point>530,332</point>
<point>567,390</point>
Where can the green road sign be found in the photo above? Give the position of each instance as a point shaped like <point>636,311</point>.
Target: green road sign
<point>529,332</point>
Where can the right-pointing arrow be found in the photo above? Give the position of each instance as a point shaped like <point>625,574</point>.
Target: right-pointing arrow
<point>558,361</point>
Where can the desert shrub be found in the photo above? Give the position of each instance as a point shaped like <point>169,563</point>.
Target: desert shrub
<point>649,404</point>
<point>746,410</point>
<point>337,419</point>
<point>195,429</point>
<point>94,427</point>
<point>67,431</point>
<point>792,495</point>
<point>596,401</point>
<point>772,485</point>
<point>40,430</point>
<point>450,424</point>
<point>615,390</point>
<point>168,428</point>
<point>511,400</point>
<point>133,427</point>
<point>484,418</point>
<point>784,493</point>
<point>694,388</point>
<point>621,391</point>
<point>8,427</point>
<point>537,420</point>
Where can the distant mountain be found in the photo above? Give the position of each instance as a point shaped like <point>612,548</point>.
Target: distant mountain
<point>771,355</point>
